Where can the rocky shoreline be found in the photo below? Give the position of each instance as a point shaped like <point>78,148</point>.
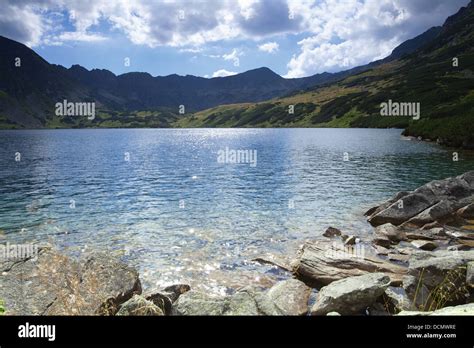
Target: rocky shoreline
<point>419,261</point>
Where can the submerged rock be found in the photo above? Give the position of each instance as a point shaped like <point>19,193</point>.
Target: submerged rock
<point>54,284</point>
<point>351,295</point>
<point>332,232</point>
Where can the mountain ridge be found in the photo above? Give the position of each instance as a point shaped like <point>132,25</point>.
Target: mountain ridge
<point>28,94</point>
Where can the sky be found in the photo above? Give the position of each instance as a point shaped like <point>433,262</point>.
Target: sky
<point>210,38</point>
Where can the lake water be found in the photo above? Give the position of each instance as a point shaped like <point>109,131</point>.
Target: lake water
<point>161,200</point>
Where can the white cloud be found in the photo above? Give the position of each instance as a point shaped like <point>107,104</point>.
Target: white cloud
<point>344,34</point>
<point>269,47</point>
<point>232,55</point>
<point>80,36</point>
<point>336,34</point>
<point>223,73</point>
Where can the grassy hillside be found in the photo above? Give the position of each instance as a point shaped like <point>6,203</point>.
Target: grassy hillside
<point>445,94</point>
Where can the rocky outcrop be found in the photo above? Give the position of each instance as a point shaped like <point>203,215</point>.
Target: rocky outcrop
<point>54,284</point>
<point>351,295</point>
<point>321,263</point>
<point>434,267</point>
<point>288,297</point>
<point>437,201</point>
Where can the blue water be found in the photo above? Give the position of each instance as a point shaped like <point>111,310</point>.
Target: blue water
<point>75,188</point>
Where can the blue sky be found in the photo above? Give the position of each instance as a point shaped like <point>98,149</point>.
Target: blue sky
<point>209,38</point>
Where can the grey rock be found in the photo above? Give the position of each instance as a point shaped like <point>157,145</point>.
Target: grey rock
<point>55,284</point>
<point>380,250</point>
<point>416,291</point>
<point>332,232</point>
<point>458,247</point>
<point>470,274</point>
<point>243,303</point>
<point>438,212</point>
<point>351,295</point>
<point>321,263</point>
<point>398,298</point>
<point>198,303</point>
<point>289,297</point>
<point>139,306</point>
<point>436,200</point>
<point>424,245</point>
<point>466,212</point>
<point>435,265</point>
<point>402,210</point>
<point>333,314</point>
<point>398,257</point>
<point>436,233</point>
<point>382,241</point>
<point>349,240</point>
<point>393,233</point>
<point>377,310</point>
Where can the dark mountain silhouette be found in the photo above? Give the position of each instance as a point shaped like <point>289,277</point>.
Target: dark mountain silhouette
<point>29,92</point>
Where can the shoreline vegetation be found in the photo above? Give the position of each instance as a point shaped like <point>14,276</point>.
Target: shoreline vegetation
<point>418,261</point>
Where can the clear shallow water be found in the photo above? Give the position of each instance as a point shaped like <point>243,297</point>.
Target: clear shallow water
<point>232,212</point>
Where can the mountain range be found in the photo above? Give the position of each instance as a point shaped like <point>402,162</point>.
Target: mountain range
<point>419,70</point>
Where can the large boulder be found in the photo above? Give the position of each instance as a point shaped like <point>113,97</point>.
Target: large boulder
<point>351,295</point>
<point>403,210</point>
<point>441,211</point>
<point>436,275</point>
<point>289,297</point>
<point>321,263</point>
<point>391,232</point>
<point>435,201</point>
<point>199,303</point>
<point>55,284</point>
<point>433,267</point>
